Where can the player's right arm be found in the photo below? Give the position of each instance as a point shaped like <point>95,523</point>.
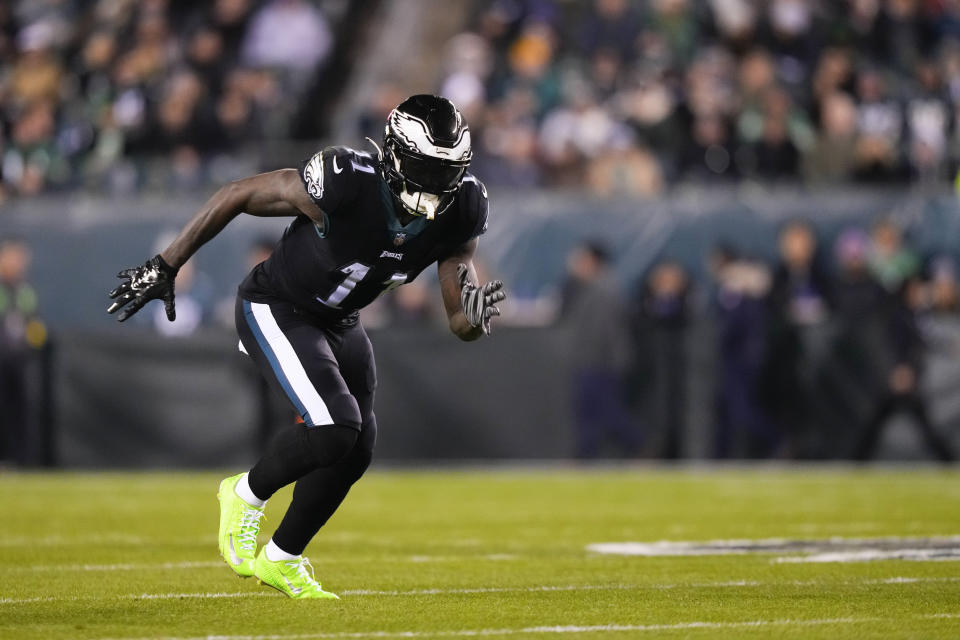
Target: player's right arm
<point>275,194</point>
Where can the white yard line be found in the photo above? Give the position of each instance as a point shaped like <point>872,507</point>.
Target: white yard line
<point>574,629</point>
<point>674,548</point>
<point>204,564</point>
<point>120,566</point>
<point>58,540</point>
<point>895,580</point>
<point>869,555</point>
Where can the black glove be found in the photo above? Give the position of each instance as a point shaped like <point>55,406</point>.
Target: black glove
<point>151,281</point>
<point>479,303</point>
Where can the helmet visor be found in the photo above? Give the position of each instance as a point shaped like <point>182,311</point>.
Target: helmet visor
<point>432,175</point>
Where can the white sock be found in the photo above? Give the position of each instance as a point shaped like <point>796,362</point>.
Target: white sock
<point>276,554</point>
<point>246,494</point>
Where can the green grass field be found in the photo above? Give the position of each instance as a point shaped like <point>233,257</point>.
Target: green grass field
<point>499,553</point>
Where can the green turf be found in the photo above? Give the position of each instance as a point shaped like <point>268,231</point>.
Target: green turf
<point>445,553</point>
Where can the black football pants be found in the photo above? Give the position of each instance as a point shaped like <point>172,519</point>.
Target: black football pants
<point>329,376</point>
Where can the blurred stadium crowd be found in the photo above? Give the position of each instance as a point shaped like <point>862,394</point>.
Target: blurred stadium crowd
<point>628,97</point>
<point>619,96</point>
<point>122,94</point>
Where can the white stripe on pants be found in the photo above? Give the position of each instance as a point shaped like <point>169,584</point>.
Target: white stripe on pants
<point>297,380</point>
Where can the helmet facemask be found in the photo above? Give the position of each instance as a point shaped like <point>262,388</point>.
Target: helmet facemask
<point>424,185</point>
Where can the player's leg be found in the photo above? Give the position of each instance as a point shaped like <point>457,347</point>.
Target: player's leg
<point>294,356</point>
<point>317,495</point>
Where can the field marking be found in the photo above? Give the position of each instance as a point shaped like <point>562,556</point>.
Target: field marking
<point>574,629</point>
<point>205,564</point>
<point>57,540</point>
<point>833,549</point>
<point>748,545</point>
<point>869,555</point>
<point>120,566</point>
<point>728,584</point>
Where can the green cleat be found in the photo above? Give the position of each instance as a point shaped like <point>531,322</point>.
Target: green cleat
<point>239,526</point>
<point>292,577</point>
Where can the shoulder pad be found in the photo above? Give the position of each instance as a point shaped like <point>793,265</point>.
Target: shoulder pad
<point>474,206</point>
<point>331,175</point>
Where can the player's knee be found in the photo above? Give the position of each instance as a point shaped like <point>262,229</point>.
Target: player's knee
<point>362,453</point>
<point>331,443</point>
<point>344,410</point>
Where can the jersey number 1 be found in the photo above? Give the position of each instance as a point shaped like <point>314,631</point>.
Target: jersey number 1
<point>354,274</point>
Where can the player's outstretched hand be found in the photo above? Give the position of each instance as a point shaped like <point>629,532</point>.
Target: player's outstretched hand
<point>153,280</point>
<point>479,303</point>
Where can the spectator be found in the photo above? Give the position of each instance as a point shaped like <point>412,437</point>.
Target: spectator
<point>205,54</point>
<point>902,392</point>
<point>880,128</point>
<point>21,334</point>
<point>927,115</point>
<point>662,317</point>
<point>801,289</point>
<point>708,155</point>
<point>675,24</point>
<point>508,153</point>
<point>594,310</point>
<point>944,289</point>
<point>855,372</point>
<point>531,65</point>
<point>37,75</point>
<point>612,24</point>
<point>799,303</point>
<point>891,262</point>
<point>742,285</point>
<point>736,22</point>
<point>304,45</point>
<point>774,157</point>
<point>625,171</point>
<point>832,159</point>
<point>229,18</point>
<point>469,62</point>
<point>32,157</point>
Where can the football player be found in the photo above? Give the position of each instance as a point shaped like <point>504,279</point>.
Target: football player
<point>363,225</point>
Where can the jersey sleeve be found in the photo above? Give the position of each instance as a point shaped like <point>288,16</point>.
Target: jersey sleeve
<point>474,207</point>
<point>330,177</point>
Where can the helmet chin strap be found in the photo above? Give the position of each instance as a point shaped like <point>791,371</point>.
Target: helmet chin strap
<point>420,203</point>
<point>377,147</point>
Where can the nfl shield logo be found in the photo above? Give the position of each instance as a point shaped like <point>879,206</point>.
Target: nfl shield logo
<point>399,239</point>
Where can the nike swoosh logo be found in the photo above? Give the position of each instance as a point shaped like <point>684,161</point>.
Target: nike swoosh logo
<point>234,558</point>
<point>336,169</point>
<point>294,590</point>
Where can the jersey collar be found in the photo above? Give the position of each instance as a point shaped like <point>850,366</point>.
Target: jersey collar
<point>412,228</point>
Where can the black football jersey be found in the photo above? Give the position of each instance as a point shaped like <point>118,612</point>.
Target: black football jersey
<point>332,270</point>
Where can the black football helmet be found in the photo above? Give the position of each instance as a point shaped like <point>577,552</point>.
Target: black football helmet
<point>426,151</point>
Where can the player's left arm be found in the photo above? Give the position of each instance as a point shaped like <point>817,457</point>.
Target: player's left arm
<point>470,307</point>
